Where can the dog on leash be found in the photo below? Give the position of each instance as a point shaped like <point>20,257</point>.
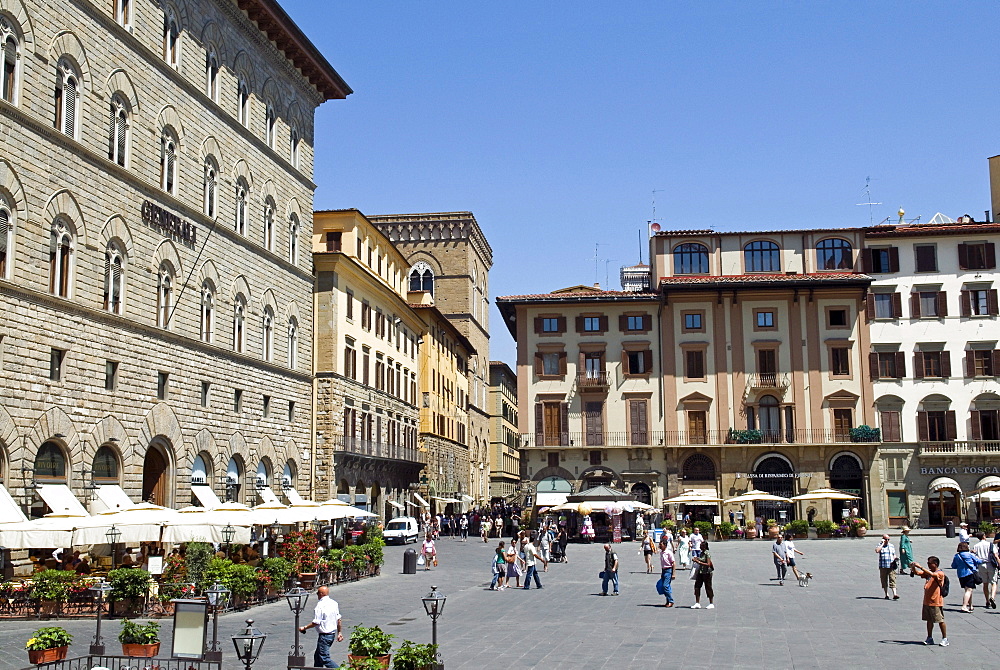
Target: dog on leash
<point>805,579</point>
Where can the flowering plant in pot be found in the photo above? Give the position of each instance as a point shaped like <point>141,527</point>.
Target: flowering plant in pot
<point>825,528</point>
<point>370,642</point>
<point>140,640</point>
<point>859,526</point>
<point>48,644</point>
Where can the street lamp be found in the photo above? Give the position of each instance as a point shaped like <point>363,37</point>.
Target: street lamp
<point>100,588</point>
<point>113,536</point>
<point>297,598</point>
<point>217,596</point>
<point>317,526</point>
<point>248,644</point>
<point>434,606</point>
<point>228,533</point>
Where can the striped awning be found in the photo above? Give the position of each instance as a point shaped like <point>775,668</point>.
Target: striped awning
<point>988,483</point>
<point>944,484</point>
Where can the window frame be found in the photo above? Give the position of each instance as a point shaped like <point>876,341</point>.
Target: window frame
<point>120,131</point>
<point>171,41</point>
<point>761,256</point>
<point>10,74</point>
<point>164,295</point>
<point>700,313</point>
<point>759,312</point>
<point>932,248</point>
<point>830,310</point>
<point>691,258</point>
<point>62,259</point>
<point>206,326</point>
<point>829,249</point>
<point>67,114</point>
<point>114,257</point>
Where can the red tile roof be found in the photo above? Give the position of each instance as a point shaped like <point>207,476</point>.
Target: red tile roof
<point>774,279</point>
<point>594,295</point>
<point>917,230</point>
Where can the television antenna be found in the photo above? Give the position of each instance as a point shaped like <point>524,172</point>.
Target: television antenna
<point>869,204</point>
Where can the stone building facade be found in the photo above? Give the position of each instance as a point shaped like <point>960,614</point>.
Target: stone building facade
<point>505,440</point>
<point>155,216</point>
<point>449,254</point>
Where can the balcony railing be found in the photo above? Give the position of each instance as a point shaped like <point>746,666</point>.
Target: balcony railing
<point>593,381</point>
<point>948,448</point>
<point>768,380</point>
<point>691,438</point>
<point>356,445</point>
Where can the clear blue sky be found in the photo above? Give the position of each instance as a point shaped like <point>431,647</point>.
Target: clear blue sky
<point>554,122</point>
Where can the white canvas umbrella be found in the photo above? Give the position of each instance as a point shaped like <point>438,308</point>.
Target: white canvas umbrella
<point>825,494</point>
<point>695,497</point>
<point>52,530</point>
<point>345,512</point>
<point>142,522</point>
<point>268,513</point>
<point>757,496</point>
<point>196,524</point>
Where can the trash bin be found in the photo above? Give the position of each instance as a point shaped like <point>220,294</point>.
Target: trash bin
<point>409,562</point>
<point>657,534</point>
<point>949,529</point>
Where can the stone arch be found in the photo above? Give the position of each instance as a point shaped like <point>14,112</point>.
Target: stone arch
<point>242,169</point>
<point>294,115</point>
<point>110,430</point>
<point>204,442</point>
<point>120,82</point>
<point>699,467</point>
<point>211,148</point>
<point>267,300</point>
<point>773,454</point>
<point>51,423</point>
<point>243,66</point>
<point>66,43</point>
<point>168,116</point>
<point>179,10</point>
<point>265,449</point>
<point>602,471</point>
<point>269,94</point>
<point>293,208</point>
<point>211,35</point>
<point>237,447</point>
<point>209,273</point>
<point>116,230</point>
<point>166,251</point>
<point>847,455</point>
<point>62,203</point>
<point>11,185</point>
<point>17,11</point>
<point>426,258</point>
<point>160,420</point>
<point>292,312</point>
<point>241,286</point>
<point>267,190</point>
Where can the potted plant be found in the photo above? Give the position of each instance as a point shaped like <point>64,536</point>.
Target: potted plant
<point>668,524</point>
<point>139,640</point>
<point>370,642</point>
<point>242,582</point>
<point>51,588</point>
<point>825,528</point>
<point>196,561</point>
<point>987,528</point>
<point>412,656</point>
<point>48,644</point>
<point>799,527</point>
<point>129,588</point>
<point>751,531</point>
<point>866,433</point>
<point>772,528</point>
<point>726,530</point>
<point>859,526</point>
<point>300,549</point>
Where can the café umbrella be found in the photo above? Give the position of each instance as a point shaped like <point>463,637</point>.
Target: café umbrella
<point>142,522</point>
<point>52,530</point>
<point>196,524</point>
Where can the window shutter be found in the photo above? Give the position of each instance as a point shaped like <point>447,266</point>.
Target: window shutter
<point>893,259</point>
<point>870,307</point>
<point>562,362</point>
<point>897,305</point>
<point>970,364</point>
<point>976,428</point>
<point>539,363</point>
<point>579,324</point>
<point>538,324</point>
<point>991,299</point>
<point>623,323</point>
<point>950,425</point>
<point>965,303</point>
<point>112,136</point>
<point>539,425</point>
<point>942,303</point>
<point>625,366</point>
<point>922,430</point>
<point>564,419</point>
<point>647,322</point>
<point>991,255</point>
<point>900,365</point>
<point>69,120</point>
<point>866,260</point>
<point>914,305</point>
<point>121,139</point>
<point>963,256</point>
<point>4,230</point>
<point>562,324</point>
<point>918,365</point>
<point>604,324</point>
<point>996,362</point>
<point>647,359</point>
<point>946,364</point>
<point>873,366</point>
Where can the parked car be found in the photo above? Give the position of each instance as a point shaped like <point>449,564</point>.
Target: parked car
<point>402,529</point>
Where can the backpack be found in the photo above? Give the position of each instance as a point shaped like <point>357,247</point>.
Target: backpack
<point>994,557</point>
<point>945,587</point>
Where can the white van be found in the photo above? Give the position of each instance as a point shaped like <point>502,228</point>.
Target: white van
<point>402,529</point>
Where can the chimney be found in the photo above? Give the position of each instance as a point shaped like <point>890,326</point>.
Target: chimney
<point>995,186</point>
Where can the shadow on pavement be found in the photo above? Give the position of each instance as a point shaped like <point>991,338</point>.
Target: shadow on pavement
<point>916,642</point>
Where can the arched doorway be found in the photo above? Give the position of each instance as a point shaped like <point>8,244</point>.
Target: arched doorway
<point>156,475</point>
<point>642,493</point>
<point>374,500</point>
<point>360,496</point>
<point>846,474</point>
<point>699,468</point>
<point>774,474</point>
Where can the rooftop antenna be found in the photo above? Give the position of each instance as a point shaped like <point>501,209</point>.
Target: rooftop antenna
<point>870,204</point>
<point>607,280</point>
<point>597,263</point>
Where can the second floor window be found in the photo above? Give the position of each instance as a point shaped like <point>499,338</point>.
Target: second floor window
<point>211,188</point>
<point>269,126</point>
<point>551,363</point>
<point>591,324</point>
<point>114,279</point>
<point>61,260</point>
<point>241,206</point>
<point>123,12</point>
<point>267,335</point>
<point>168,162</point>
<point>884,305</point>
<point>690,258</point>
<point>834,254</point>
<point>67,99</point>
<point>212,76</point>
<point>293,343</point>
<point>888,365</point>
<point>239,324</point>
<point>171,41</point>
<point>243,103</point>
<point>118,132</point>
<point>269,224</point>
<point>293,239</point>
<point>977,256</point>
<point>11,59</point>
<point>550,325</point>
<point>164,296</point>
<point>207,312</point>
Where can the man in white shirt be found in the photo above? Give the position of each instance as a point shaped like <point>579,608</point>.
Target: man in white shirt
<point>963,532</point>
<point>533,554</point>
<point>326,617</point>
<point>982,550</point>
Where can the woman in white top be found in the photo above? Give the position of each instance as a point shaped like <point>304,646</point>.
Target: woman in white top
<point>683,549</point>
<point>429,552</point>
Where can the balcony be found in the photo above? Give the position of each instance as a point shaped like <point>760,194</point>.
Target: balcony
<point>593,382</point>
<point>395,452</point>
<point>583,440</point>
<point>963,447</point>
<point>697,438</point>
<point>768,380</point>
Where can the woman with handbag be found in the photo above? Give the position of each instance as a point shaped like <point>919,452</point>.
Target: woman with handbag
<point>705,568</point>
<point>966,564</point>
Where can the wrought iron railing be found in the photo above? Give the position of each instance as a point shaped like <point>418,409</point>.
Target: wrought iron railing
<point>356,445</point>
<point>128,663</point>
<point>694,438</point>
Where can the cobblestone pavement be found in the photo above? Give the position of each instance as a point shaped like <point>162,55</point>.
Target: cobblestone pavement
<point>839,621</point>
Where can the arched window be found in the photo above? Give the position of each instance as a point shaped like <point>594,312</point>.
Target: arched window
<point>207,312</point>
<point>690,258</point>
<point>234,474</point>
<point>199,469</point>
<point>762,256</point>
<point>11,60</point>
<point>769,418</point>
<point>211,187</point>
<point>123,12</point>
<point>243,103</point>
<point>699,468</point>
<point>164,295</point>
<point>288,476</point>
<point>834,254</point>
<point>67,98</point>
<point>239,324</point>
<point>118,131</point>
<point>212,75</point>
<point>114,278</point>
<point>422,278</point>
<point>168,161</point>
<point>171,41</point>
<point>6,237</point>
<point>293,239</point>
<point>267,327</point>
<point>263,475</point>
<point>269,126</point>
<point>294,147</point>
<point>105,466</point>
<point>269,224</point>
<point>242,191</point>
<point>50,463</point>
<point>293,343</point>
<point>61,259</point>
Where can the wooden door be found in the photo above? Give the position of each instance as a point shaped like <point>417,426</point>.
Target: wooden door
<point>593,414</point>
<point>154,477</point>
<point>553,423</point>
<point>842,425</point>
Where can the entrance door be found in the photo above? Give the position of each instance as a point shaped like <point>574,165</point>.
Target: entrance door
<point>594,416</point>
<point>842,425</point>
<point>770,421</point>
<point>553,423</point>
<point>155,476</point>
<point>774,475</point>
<point>942,506</point>
<point>846,475</point>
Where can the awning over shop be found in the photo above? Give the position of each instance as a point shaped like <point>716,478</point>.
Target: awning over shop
<point>695,497</point>
<point>396,505</point>
<point>206,496</point>
<point>944,484</point>
<point>447,500</point>
<point>61,500</point>
<point>267,495</point>
<point>9,510</point>
<point>51,531</point>
<point>421,501</point>
<point>985,496</point>
<point>988,483</point>
<point>139,523</point>
<point>550,498</point>
<point>111,498</point>
<point>296,499</point>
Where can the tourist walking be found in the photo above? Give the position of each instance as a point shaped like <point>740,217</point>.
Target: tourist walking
<point>758,524</point>
<point>498,525</point>
<point>647,551</point>
<point>984,551</point>
<point>665,585</point>
<point>933,608</point>
<point>790,552</point>
<point>544,542</point>
<point>499,568</point>
<point>514,563</point>
<point>683,549</point>
<point>562,540</point>
<point>887,565</point>
<point>532,554</point>
<point>703,562</point>
<point>695,542</point>
<point>463,525</point>
<point>484,529</point>
<point>963,533</point>
<point>610,572</point>
<point>429,552</point>
<point>326,617</point>
<point>779,552</point>
<point>905,551</point>
<point>966,564</point>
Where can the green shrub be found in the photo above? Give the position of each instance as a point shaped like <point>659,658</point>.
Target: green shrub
<point>370,641</point>
<point>242,579</point>
<point>825,526</point>
<point>412,656</point>
<point>986,527</point>
<point>749,436</point>
<point>278,569</point>
<point>726,529</point>
<point>53,585</point>
<point>799,527</point>
<point>668,524</point>
<point>137,633</point>
<point>128,584</point>
<point>197,557</point>
<point>218,570</point>
<point>704,526</point>
<point>865,433</point>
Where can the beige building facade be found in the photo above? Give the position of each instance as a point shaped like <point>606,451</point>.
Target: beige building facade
<point>505,440</point>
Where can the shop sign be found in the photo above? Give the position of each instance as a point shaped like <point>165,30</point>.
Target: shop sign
<point>963,470</point>
<point>773,475</point>
<point>169,224</point>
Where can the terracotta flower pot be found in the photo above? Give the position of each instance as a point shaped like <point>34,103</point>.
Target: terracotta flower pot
<point>823,536</point>
<point>383,660</point>
<point>772,531</point>
<point>141,650</point>
<point>307,579</point>
<point>47,655</point>
<point>861,531</point>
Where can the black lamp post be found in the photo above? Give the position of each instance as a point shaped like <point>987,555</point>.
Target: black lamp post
<point>248,644</point>
<point>228,533</point>
<point>297,598</point>
<point>317,526</point>
<point>100,588</point>
<point>217,596</point>
<point>113,536</point>
<point>434,606</point>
